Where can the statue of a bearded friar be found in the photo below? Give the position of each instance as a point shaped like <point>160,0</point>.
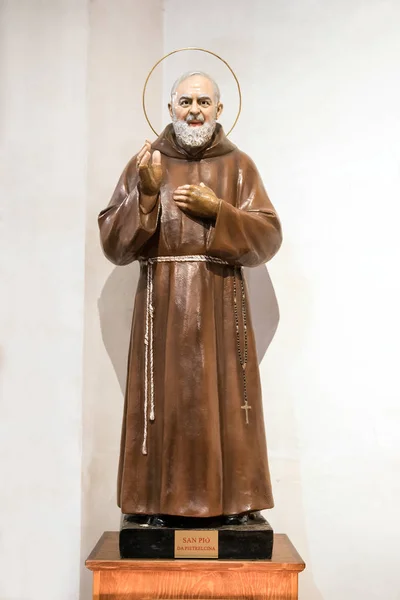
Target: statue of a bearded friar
<point>192,209</point>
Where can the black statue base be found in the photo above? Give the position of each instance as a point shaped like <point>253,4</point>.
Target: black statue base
<point>250,540</point>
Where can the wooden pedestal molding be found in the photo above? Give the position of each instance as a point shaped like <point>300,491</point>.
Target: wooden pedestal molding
<point>121,579</point>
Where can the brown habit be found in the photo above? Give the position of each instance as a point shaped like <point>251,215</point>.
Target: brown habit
<point>202,458</point>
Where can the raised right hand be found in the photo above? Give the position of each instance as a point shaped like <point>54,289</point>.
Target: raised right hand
<point>150,173</point>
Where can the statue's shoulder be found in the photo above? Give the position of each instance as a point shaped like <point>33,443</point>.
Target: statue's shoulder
<point>245,162</point>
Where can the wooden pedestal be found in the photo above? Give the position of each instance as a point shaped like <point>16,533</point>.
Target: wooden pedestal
<point>122,579</point>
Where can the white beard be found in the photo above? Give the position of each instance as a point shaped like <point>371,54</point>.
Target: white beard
<point>193,137</point>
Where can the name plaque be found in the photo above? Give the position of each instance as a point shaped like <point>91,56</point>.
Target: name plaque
<point>196,544</point>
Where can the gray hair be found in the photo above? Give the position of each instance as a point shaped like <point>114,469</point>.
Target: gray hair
<point>185,76</point>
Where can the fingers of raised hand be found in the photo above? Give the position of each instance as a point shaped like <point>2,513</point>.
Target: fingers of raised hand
<point>156,158</point>
<point>146,175</point>
<point>156,165</point>
<point>145,148</point>
<point>140,154</point>
<point>150,170</point>
<point>145,160</point>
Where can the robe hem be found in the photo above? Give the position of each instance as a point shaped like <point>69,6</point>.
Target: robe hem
<point>197,515</point>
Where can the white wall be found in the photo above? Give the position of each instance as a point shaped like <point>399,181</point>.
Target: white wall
<point>321,119</point>
<point>42,233</point>
<point>71,78</point>
<point>125,40</point>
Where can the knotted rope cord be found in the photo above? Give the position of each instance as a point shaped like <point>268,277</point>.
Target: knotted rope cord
<point>149,328</point>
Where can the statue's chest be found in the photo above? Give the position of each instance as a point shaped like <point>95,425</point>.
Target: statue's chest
<point>177,227</point>
<point>179,172</point>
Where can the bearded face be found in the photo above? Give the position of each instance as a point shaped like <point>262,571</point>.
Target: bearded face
<point>193,132</point>
<point>194,109</point>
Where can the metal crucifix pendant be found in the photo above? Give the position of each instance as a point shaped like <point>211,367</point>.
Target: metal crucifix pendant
<point>246,407</point>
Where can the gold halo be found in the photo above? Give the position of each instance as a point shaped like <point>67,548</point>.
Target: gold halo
<point>183,50</point>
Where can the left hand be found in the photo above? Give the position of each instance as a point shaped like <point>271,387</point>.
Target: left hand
<point>197,200</point>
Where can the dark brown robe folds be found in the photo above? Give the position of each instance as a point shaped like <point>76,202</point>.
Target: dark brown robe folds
<point>202,458</point>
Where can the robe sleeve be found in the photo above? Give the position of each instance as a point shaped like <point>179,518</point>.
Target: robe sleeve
<point>249,233</point>
<point>124,228</point>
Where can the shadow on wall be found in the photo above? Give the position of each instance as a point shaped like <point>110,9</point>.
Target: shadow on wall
<point>115,307</point>
<point>264,308</point>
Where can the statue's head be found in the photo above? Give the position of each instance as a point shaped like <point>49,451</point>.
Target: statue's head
<point>195,107</point>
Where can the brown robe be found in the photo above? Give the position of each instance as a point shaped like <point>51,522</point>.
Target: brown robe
<point>202,458</point>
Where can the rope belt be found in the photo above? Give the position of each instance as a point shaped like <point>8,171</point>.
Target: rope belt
<point>149,330</point>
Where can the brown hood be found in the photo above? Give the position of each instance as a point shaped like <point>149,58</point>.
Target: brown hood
<point>168,145</point>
